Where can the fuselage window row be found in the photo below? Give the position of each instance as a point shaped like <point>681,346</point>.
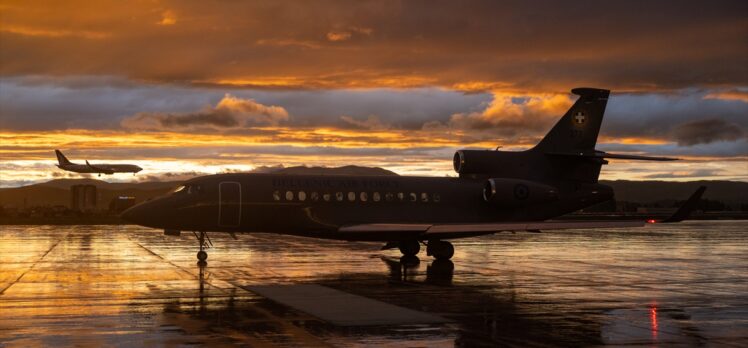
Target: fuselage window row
<point>351,196</point>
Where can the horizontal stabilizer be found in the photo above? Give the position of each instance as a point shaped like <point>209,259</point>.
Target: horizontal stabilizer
<point>603,155</point>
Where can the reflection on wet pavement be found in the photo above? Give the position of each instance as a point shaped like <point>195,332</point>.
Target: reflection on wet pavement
<point>124,285</point>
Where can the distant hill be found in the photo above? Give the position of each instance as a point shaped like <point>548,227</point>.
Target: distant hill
<point>57,192</point>
<point>346,170</point>
<point>733,193</point>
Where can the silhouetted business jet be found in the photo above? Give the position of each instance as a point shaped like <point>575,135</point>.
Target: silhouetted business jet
<point>495,191</point>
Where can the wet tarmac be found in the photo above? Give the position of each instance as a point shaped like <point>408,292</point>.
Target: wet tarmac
<point>683,284</point>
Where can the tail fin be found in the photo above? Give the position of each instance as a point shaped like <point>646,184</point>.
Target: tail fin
<point>61,159</point>
<point>577,131</point>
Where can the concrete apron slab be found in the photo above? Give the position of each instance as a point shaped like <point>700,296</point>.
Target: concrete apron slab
<point>341,308</point>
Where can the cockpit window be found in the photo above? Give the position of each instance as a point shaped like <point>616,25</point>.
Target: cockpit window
<point>189,189</point>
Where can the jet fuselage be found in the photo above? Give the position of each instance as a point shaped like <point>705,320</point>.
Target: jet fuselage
<point>100,168</point>
<point>317,206</point>
<point>104,168</point>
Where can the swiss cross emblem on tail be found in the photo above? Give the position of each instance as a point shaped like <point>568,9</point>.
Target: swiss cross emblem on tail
<point>579,118</point>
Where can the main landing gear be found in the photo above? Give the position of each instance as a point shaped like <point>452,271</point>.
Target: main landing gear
<point>439,249</point>
<point>205,243</point>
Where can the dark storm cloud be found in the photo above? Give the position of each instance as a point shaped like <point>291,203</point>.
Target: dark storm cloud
<point>39,103</point>
<point>89,102</point>
<point>530,45</point>
<point>249,151</point>
<point>658,115</point>
<point>706,131</point>
<point>723,150</point>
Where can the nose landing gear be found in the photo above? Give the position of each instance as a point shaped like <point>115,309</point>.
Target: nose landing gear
<point>205,243</point>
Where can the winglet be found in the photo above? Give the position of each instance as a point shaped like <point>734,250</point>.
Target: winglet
<point>685,210</point>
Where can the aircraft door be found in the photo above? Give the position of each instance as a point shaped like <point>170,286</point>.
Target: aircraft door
<point>229,204</point>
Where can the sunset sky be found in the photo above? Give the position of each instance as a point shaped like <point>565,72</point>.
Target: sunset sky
<point>187,88</point>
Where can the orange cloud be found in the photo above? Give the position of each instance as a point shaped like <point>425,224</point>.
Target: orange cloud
<point>729,95</point>
<point>230,112</point>
<point>287,43</point>
<point>53,33</point>
<point>338,35</point>
<point>167,18</point>
<point>515,114</point>
<point>354,44</point>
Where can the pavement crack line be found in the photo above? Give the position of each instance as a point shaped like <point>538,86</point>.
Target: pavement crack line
<point>304,337</point>
<point>33,265</point>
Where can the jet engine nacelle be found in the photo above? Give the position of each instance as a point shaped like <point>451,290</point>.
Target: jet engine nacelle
<point>516,193</point>
<point>477,161</point>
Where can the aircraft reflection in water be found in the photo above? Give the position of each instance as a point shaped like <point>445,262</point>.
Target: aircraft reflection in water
<point>102,168</point>
<point>439,272</point>
<point>496,191</point>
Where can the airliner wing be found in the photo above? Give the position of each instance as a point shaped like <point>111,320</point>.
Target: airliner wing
<point>457,230</point>
<point>436,230</point>
<point>100,169</point>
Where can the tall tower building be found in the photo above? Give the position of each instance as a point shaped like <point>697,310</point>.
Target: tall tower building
<point>83,197</point>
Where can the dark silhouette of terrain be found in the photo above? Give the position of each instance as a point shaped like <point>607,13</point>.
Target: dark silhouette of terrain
<point>728,194</point>
<point>731,193</point>
<point>57,192</point>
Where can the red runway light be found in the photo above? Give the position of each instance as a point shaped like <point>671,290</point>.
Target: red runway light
<point>653,320</point>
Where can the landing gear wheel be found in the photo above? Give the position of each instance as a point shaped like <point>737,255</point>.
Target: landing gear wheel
<point>409,247</point>
<point>440,250</point>
<point>205,243</point>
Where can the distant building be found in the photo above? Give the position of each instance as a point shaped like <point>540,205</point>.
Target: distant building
<point>120,203</point>
<point>83,197</point>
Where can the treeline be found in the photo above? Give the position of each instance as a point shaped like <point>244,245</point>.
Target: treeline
<point>704,205</point>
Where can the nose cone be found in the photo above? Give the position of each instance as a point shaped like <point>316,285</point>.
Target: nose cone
<point>138,169</point>
<point>144,214</point>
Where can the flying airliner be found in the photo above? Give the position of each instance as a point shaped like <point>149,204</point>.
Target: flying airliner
<point>495,191</point>
<point>104,168</point>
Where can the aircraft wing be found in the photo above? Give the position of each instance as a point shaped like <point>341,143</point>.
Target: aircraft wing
<point>458,230</point>
<point>100,169</point>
